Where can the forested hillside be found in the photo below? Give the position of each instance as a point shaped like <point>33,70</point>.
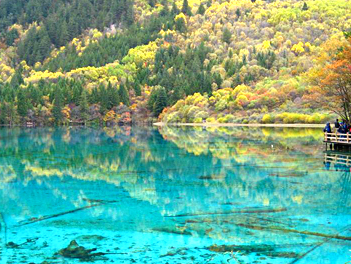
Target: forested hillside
<point>122,61</point>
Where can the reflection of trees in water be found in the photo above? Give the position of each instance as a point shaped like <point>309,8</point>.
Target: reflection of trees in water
<point>265,186</point>
<point>223,142</point>
<point>339,161</point>
<point>345,184</point>
<point>215,164</point>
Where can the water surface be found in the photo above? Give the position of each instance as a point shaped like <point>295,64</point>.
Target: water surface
<point>173,195</point>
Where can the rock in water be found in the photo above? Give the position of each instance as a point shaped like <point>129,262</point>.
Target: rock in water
<point>75,251</point>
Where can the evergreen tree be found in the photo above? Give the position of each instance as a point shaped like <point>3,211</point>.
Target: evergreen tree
<point>22,105</point>
<point>44,45</point>
<point>227,36</point>
<point>11,113</point>
<point>123,95</point>
<point>186,8</point>
<point>305,7</point>
<point>218,79</point>
<point>112,94</point>
<point>151,3</point>
<point>3,113</point>
<point>230,54</point>
<point>244,60</point>
<point>201,9</point>
<point>84,107</point>
<point>238,13</point>
<point>129,14</point>
<point>73,28</point>
<point>58,105</point>
<point>64,36</point>
<point>180,25</point>
<point>160,102</point>
<point>11,36</point>
<point>103,96</point>
<point>165,9</point>
<point>174,10</point>
<point>137,88</point>
<point>237,80</point>
<point>17,78</point>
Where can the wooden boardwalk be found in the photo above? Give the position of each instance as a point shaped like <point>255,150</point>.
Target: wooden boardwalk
<point>337,140</point>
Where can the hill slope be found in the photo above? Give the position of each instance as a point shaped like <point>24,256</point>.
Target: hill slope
<point>225,61</point>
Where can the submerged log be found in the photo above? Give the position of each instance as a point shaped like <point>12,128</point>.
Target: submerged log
<point>240,211</point>
<point>172,231</point>
<point>267,250</point>
<point>28,241</point>
<point>286,230</point>
<point>243,248</point>
<point>34,220</point>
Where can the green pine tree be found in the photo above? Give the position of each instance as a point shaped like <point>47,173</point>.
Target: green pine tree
<point>22,105</point>
<point>103,99</point>
<point>186,8</point>
<point>3,113</point>
<point>238,13</point>
<point>180,25</point>
<point>165,9</point>
<point>227,36</point>
<point>151,3</point>
<point>174,10</point>
<point>44,45</point>
<point>113,98</point>
<point>11,113</point>
<point>201,9</point>
<point>84,106</point>
<point>160,102</point>
<point>305,7</point>
<point>17,78</point>
<point>137,88</point>
<point>64,36</point>
<point>123,95</point>
<point>58,105</point>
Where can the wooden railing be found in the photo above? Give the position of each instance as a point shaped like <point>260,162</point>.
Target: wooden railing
<point>338,159</point>
<point>337,138</point>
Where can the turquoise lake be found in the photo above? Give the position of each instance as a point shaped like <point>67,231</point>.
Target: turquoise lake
<point>173,195</point>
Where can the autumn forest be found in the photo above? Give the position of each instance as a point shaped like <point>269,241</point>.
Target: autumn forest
<point>111,62</point>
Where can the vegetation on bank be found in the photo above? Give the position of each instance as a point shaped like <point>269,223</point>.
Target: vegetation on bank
<point>183,61</point>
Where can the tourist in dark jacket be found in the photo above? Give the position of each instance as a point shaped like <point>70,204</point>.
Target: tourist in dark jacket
<point>337,124</point>
<point>327,128</point>
<point>345,127</point>
<point>341,130</point>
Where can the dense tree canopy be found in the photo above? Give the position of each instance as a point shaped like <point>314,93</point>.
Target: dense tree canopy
<point>111,61</point>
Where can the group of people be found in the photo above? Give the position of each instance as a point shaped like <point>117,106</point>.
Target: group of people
<point>340,127</point>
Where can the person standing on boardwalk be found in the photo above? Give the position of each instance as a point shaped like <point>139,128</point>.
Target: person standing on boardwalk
<point>327,128</point>
<point>337,124</point>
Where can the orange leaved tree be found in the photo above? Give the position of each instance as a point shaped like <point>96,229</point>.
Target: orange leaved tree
<point>333,79</point>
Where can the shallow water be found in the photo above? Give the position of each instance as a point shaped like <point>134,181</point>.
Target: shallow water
<point>173,195</point>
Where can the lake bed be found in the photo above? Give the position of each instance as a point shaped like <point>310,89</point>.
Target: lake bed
<point>172,195</point>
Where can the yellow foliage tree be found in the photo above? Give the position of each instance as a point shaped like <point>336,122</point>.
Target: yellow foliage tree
<point>298,48</point>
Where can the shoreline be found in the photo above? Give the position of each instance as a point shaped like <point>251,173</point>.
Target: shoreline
<point>160,124</point>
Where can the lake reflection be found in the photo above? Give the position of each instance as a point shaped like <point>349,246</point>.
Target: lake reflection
<point>173,195</point>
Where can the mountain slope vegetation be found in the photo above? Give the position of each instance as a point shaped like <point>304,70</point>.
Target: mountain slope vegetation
<point>118,61</point>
